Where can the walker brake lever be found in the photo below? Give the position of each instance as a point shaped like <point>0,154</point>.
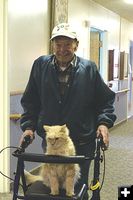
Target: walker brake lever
<point>24,145</point>
<point>104,147</point>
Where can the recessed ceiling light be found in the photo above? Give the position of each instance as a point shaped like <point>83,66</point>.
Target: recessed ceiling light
<point>129,1</point>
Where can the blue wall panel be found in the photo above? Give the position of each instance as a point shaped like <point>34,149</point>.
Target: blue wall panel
<point>15,134</point>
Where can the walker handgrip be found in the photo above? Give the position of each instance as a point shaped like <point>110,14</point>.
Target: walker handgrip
<point>104,147</point>
<point>26,142</point>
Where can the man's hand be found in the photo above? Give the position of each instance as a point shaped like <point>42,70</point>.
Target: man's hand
<point>104,133</point>
<point>25,133</point>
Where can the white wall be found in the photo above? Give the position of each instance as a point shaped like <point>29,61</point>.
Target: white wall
<point>96,16</point>
<point>28,33</point>
<point>90,14</point>
<point>126,35</point>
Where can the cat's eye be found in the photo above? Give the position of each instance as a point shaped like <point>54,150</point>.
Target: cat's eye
<point>50,139</point>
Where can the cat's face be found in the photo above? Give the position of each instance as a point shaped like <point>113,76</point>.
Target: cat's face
<point>56,136</point>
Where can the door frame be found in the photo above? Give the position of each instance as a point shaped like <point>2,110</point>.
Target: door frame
<point>4,100</point>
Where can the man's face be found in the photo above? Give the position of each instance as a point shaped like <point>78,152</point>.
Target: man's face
<point>64,48</point>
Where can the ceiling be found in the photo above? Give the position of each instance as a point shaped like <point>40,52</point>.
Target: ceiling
<point>118,6</point>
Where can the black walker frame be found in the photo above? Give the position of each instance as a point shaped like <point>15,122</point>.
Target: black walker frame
<point>30,193</point>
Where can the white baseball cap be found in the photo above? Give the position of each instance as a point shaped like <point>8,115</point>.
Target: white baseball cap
<point>63,29</point>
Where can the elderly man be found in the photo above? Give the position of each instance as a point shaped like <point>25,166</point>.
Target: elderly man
<point>66,89</point>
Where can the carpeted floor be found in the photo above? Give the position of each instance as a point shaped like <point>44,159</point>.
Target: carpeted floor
<point>119,162</point>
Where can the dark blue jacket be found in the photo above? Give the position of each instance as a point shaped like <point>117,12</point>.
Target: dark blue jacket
<point>88,101</point>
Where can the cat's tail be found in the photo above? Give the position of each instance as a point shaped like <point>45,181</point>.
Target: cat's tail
<point>30,178</point>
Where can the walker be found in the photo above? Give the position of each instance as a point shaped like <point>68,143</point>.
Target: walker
<point>38,191</point>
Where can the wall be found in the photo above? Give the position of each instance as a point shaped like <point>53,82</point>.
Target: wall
<point>97,17</point>
<point>119,31</point>
<point>16,133</point>
<point>28,36</point>
<point>126,34</point>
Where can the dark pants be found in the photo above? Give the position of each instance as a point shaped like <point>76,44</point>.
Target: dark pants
<point>88,151</point>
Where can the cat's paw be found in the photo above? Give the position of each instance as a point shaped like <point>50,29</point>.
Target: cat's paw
<point>54,193</point>
<point>69,194</point>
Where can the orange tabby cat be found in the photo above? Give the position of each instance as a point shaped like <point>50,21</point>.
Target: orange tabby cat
<point>58,176</point>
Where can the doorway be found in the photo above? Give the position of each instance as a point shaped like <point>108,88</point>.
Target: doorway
<point>98,50</point>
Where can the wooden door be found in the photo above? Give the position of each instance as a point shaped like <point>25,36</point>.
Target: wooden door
<point>95,47</point>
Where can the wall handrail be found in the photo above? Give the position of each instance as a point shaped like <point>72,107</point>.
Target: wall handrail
<point>15,116</point>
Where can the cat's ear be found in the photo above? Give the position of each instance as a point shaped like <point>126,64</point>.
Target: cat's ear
<point>46,128</point>
<point>64,126</point>
<point>65,129</point>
